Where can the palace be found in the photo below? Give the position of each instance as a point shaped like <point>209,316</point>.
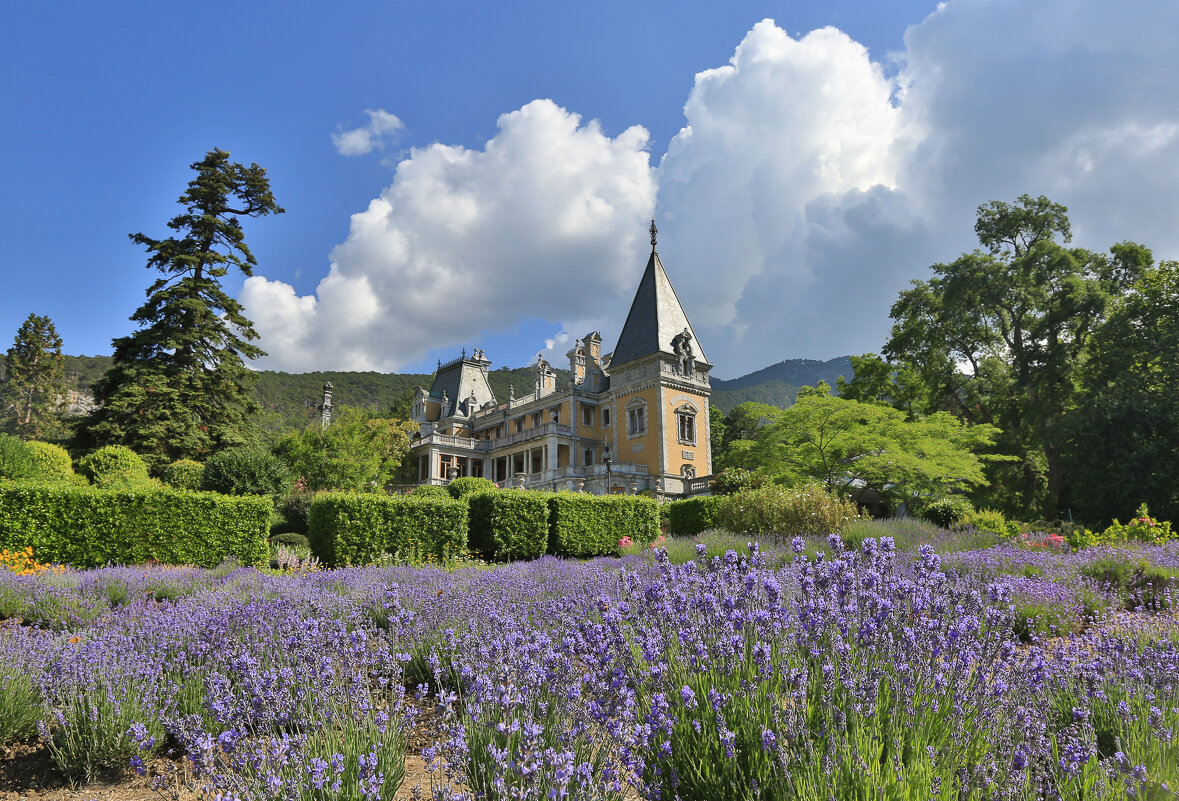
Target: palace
<point>631,420</point>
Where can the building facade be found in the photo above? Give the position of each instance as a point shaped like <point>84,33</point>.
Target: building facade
<point>631,420</point>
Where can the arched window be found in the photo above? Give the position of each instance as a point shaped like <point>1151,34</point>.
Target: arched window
<point>685,424</point>
<point>636,418</point>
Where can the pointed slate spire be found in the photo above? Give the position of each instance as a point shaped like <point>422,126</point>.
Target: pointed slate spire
<point>656,317</point>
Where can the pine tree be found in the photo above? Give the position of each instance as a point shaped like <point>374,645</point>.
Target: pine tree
<point>178,387</point>
<point>35,381</point>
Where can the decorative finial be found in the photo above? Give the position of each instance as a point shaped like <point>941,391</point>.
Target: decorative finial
<point>464,353</point>
<point>654,234</point>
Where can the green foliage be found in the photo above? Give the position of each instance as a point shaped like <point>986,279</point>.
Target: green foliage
<point>187,474</point>
<point>16,460</point>
<point>1019,315</point>
<point>732,480</point>
<point>783,512</point>
<point>295,510</point>
<point>847,444</point>
<point>508,525</point>
<point>92,737</point>
<point>20,704</point>
<point>291,540</point>
<point>947,512</point>
<point>465,485</point>
<point>34,380</point>
<point>991,520</point>
<point>113,465</point>
<point>53,461</point>
<point>1140,584</point>
<point>1119,442</point>
<point>88,527</point>
<point>247,471</point>
<point>361,528</point>
<point>178,387</point>
<point>1142,528</point>
<point>356,453</point>
<point>582,525</point>
<point>430,491</point>
<point>690,516</point>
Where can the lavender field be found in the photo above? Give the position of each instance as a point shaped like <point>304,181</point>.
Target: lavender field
<point>808,672</point>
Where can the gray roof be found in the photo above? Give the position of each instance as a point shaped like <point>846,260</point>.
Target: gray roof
<point>459,379</point>
<point>655,319</point>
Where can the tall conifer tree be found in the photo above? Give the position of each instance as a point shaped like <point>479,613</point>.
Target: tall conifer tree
<point>35,380</point>
<point>178,386</point>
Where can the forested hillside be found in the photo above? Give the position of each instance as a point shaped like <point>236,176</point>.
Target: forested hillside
<point>777,384</point>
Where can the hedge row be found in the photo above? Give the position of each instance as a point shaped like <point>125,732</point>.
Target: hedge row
<point>507,525</point>
<point>358,528</point>
<point>88,527</point>
<point>689,517</point>
<point>500,525</point>
<point>591,525</point>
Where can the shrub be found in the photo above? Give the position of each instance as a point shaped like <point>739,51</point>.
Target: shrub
<point>787,511</point>
<point>248,471</point>
<point>114,466</point>
<point>186,474</point>
<point>360,528</point>
<point>947,512</point>
<point>430,491</point>
<point>593,525</point>
<point>1142,528</point>
<point>291,540</point>
<point>738,479</point>
<point>466,485</point>
<point>89,527</point>
<point>991,520</point>
<point>295,510</point>
<point>509,524</point>
<point>689,517</point>
<point>53,462</point>
<point>16,460</point>
<point>20,704</point>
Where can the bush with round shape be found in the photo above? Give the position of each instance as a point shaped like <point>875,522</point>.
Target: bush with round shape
<point>16,460</point>
<point>247,471</point>
<point>291,540</point>
<point>430,491</point>
<point>780,513</point>
<point>114,466</point>
<point>948,512</point>
<point>185,474</point>
<point>295,510</point>
<point>466,485</point>
<point>53,461</point>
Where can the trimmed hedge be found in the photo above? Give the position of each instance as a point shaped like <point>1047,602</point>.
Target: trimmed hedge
<point>113,465</point>
<point>349,528</point>
<point>509,524</point>
<point>689,517</point>
<point>463,486</point>
<point>89,527</point>
<point>583,525</point>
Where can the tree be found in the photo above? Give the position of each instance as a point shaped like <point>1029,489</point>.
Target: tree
<point>1121,444</point>
<point>35,382</point>
<point>848,445</point>
<point>178,386</point>
<point>998,336</point>
<point>356,452</point>
<point>739,433</point>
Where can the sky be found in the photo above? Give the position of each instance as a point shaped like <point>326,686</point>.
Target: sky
<point>461,175</point>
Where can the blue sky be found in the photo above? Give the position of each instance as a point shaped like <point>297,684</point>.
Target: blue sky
<point>480,175</point>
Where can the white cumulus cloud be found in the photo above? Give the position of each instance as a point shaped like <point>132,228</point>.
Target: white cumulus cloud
<point>808,186</point>
<point>544,222</point>
<point>382,127</point>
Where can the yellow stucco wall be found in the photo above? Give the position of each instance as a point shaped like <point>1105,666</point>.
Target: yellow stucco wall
<point>672,399</point>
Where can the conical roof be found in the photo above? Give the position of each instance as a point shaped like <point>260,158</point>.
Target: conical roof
<point>655,319</point>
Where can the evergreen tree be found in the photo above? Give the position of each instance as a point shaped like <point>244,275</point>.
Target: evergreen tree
<point>36,380</point>
<point>178,387</point>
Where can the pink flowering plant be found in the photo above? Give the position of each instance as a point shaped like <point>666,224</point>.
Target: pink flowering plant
<point>1042,541</point>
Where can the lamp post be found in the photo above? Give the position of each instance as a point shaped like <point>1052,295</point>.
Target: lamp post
<point>608,458</point>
